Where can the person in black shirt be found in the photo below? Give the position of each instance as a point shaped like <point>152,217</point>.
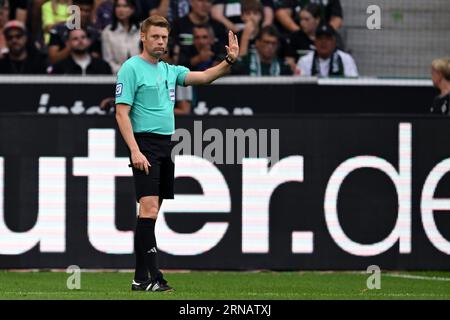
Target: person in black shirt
<point>252,14</point>
<point>264,60</point>
<point>287,18</point>
<point>440,74</point>
<point>21,59</point>
<point>79,60</point>
<point>301,42</point>
<point>57,50</point>
<point>204,53</point>
<point>229,13</point>
<point>182,35</point>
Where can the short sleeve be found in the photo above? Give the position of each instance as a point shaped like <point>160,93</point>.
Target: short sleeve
<point>181,73</point>
<point>125,85</point>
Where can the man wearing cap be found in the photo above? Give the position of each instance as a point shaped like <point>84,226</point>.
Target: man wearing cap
<point>327,60</point>
<point>20,59</point>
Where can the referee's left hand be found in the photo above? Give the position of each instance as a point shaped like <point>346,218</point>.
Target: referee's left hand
<point>233,46</point>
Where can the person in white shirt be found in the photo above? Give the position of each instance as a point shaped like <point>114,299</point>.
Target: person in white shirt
<point>327,60</point>
<point>120,39</point>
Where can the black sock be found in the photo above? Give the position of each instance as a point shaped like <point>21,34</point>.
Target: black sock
<point>140,271</point>
<point>146,237</point>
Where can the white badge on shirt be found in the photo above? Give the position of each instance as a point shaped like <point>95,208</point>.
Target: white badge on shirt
<point>172,94</point>
<point>119,88</point>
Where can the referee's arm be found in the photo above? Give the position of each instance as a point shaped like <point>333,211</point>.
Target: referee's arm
<point>211,74</point>
<point>123,121</point>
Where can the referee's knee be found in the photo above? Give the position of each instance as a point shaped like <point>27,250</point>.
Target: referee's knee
<point>149,207</point>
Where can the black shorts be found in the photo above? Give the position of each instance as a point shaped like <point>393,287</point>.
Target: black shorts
<point>160,180</point>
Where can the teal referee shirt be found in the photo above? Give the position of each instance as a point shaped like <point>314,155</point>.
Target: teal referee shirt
<point>150,91</point>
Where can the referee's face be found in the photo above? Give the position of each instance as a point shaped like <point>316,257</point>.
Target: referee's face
<point>155,41</point>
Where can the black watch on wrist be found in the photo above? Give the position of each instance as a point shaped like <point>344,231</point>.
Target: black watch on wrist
<point>227,59</point>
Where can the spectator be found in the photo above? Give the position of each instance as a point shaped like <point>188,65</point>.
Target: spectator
<point>4,9</point>
<point>327,60</point>
<point>57,49</point>
<point>20,58</point>
<point>151,7</point>
<point>104,14</point>
<point>440,74</point>
<point>301,42</point>
<point>121,39</point>
<point>183,28</point>
<point>264,60</point>
<point>228,13</point>
<point>285,13</point>
<point>203,54</point>
<point>53,12</point>
<point>80,61</point>
<point>252,12</point>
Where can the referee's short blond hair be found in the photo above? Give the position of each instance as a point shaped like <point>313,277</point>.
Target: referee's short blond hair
<point>154,20</point>
<point>442,65</point>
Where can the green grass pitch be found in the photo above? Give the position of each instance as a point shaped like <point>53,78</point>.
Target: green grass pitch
<point>202,285</point>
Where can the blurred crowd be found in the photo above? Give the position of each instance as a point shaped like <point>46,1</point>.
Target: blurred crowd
<point>276,37</point>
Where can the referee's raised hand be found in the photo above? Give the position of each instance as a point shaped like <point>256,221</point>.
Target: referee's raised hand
<point>209,75</point>
<point>140,162</point>
<point>233,46</point>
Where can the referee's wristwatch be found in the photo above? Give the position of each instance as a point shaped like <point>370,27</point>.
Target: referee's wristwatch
<point>229,61</point>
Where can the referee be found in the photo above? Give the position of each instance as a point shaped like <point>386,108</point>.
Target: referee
<point>145,97</point>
